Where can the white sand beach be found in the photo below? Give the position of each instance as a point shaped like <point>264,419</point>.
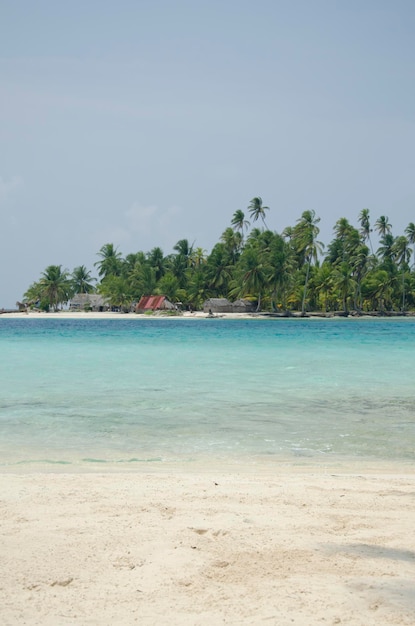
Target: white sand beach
<point>186,315</point>
<point>210,547</point>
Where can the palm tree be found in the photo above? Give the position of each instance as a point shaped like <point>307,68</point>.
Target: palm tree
<point>169,286</point>
<point>402,254</point>
<point>281,264</point>
<point>33,294</point>
<point>239,222</point>
<point>342,230</point>
<point>379,285</point>
<point>197,291</point>
<point>382,226</point>
<point>157,261</point>
<point>288,232</point>
<point>55,286</point>
<point>131,261</point>
<point>343,281</point>
<point>254,236</point>
<point>199,257</point>
<point>359,263</point>
<point>218,270</point>
<point>254,277</point>
<point>410,233</point>
<point>385,250</point>
<point>110,263</point>
<point>141,278</point>
<point>118,292</point>
<point>233,243</point>
<point>147,279</point>
<point>365,229</point>
<point>180,262</point>
<point>82,280</point>
<point>305,241</point>
<point>257,210</point>
<point>323,283</point>
<point>183,248</point>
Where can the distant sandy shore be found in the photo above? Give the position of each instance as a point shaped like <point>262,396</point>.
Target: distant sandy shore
<point>123,316</point>
<point>207,548</point>
<point>184,316</point>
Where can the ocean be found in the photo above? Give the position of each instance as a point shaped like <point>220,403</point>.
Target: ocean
<point>90,393</point>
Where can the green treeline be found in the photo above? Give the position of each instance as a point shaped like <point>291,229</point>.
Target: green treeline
<point>288,271</point>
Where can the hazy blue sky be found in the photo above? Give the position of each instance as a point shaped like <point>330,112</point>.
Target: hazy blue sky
<point>146,121</point>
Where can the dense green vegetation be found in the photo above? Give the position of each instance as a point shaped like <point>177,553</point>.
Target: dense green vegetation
<point>288,271</point>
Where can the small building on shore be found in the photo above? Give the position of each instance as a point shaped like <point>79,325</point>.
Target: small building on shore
<point>154,303</point>
<point>89,302</point>
<point>243,306</point>
<point>217,305</point>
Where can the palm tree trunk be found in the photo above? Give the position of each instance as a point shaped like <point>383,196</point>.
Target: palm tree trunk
<point>259,303</point>
<point>370,243</point>
<point>305,290</point>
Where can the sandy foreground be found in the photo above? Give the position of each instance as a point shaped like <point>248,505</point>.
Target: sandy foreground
<point>206,548</point>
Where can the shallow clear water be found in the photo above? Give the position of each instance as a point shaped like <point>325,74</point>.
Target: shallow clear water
<point>94,391</point>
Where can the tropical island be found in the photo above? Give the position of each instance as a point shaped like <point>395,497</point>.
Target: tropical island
<point>280,273</point>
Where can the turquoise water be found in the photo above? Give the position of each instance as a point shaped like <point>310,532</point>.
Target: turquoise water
<point>131,391</point>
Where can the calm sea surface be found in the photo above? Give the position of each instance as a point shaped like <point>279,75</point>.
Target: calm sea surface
<point>139,391</point>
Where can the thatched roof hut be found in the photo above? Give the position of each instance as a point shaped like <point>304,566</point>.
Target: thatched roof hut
<point>243,306</point>
<point>89,302</point>
<point>217,305</point>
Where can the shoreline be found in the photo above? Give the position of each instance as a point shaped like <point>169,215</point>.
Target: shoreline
<point>207,548</point>
<point>197,315</point>
<point>258,466</point>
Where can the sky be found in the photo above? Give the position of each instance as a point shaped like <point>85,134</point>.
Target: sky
<point>142,122</point>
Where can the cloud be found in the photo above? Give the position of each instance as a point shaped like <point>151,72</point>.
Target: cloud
<point>142,218</point>
<point>143,227</point>
<point>151,219</point>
